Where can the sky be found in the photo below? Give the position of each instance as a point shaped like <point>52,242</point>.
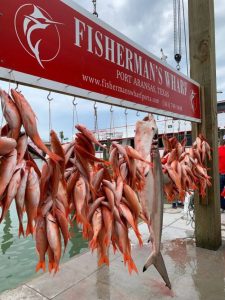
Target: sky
<point>148,23</point>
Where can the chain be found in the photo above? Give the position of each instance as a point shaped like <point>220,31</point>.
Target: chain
<point>94,8</point>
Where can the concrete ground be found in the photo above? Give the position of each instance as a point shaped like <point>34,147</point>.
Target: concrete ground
<point>194,273</point>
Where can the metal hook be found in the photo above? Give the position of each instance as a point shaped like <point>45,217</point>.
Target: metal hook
<point>111,108</point>
<point>17,87</point>
<point>74,103</point>
<point>137,113</point>
<point>125,112</point>
<point>48,97</point>
<point>95,105</point>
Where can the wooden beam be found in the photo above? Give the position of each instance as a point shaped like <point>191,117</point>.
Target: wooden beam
<point>203,70</point>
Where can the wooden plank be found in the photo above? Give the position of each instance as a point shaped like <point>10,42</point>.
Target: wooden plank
<point>203,70</point>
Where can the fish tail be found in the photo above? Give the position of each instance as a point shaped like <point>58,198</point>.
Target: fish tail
<point>114,247</point>
<point>55,267</point>
<point>93,243</point>
<point>106,241</point>
<point>126,258</point>
<point>103,260</point>
<point>21,231</point>
<point>40,265</point>
<point>30,229</point>
<point>39,143</point>
<point>132,266</point>
<point>158,261</point>
<point>138,235</point>
<point>51,266</point>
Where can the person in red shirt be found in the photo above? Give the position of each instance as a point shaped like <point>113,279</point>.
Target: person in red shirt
<point>221,151</point>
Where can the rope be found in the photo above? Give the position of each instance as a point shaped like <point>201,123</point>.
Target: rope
<point>126,113</point>
<point>177,32</point>
<point>185,38</point>
<point>185,129</point>
<point>175,25</point>
<point>173,126</point>
<point>74,112</point>
<point>179,28</point>
<point>178,130</point>
<point>111,123</point>
<point>49,113</point>
<point>165,127</point>
<point>96,119</point>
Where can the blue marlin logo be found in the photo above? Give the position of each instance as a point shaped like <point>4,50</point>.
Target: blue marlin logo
<point>37,21</point>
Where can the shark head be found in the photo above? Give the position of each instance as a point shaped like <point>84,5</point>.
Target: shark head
<point>36,21</point>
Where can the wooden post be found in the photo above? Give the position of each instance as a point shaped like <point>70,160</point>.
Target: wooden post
<point>203,70</point>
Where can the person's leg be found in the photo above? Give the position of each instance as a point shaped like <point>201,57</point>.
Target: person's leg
<point>222,185</point>
<point>174,204</point>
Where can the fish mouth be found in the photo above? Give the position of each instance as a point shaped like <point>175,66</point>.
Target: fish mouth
<point>156,136</point>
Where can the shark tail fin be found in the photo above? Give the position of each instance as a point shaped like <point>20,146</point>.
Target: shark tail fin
<point>157,260</point>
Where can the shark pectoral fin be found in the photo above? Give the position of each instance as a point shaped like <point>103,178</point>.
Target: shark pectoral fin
<point>158,261</point>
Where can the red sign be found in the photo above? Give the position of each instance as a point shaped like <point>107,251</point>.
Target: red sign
<point>59,46</point>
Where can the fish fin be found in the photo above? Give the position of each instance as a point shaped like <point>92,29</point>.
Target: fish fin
<point>158,262</point>
<point>21,231</point>
<point>86,226</point>
<point>126,258</point>
<point>138,235</point>
<point>30,229</point>
<point>114,247</point>
<point>55,267</point>
<point>40,265</point>
<point>132,266</point>
<point>103,260</point>
<point>93,243</point>
<point>39,143</point>
<point>106,241</point>
<point>50,266</point>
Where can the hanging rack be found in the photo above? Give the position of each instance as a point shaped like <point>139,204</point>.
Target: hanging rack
<point>17,87</point>
<point>49,113</point>
<point>94,8</point>
<point>96,119</point>
<point>111,134</point>
<point>74,112</point>
<point>126,113</point>
<point>163,57</point>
